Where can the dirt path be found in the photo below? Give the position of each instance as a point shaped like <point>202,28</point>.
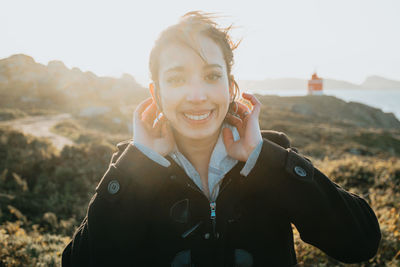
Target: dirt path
<point>40,126</point>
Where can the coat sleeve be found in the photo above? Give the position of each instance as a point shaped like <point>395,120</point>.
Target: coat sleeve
<point>114,229</point>
<point>339,223</point>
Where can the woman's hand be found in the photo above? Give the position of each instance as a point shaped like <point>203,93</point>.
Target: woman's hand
<point>248,128</point>
<point>157,136</point>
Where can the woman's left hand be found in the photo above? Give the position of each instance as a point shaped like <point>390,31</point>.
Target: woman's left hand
<point>248,128</point>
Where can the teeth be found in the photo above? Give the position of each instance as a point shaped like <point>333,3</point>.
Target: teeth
<point>197,117</point>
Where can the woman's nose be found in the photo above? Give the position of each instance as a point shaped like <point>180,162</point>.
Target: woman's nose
<point>196,92</point>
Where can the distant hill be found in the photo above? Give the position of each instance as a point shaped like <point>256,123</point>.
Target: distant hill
<point>26,83</point>
<point>371,82</point>
<point>378,82</point>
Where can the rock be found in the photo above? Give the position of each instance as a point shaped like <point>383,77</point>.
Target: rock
<point>56,66</point>
<point>18,60</point>
<point>369,116</point>
<point>354,151</point>
<point>328,109</point>
<point>128,78</point>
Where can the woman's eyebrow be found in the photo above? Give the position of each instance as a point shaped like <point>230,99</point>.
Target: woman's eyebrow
<point>181,68</point>
<point>177,68</point>
<point>210,66</point>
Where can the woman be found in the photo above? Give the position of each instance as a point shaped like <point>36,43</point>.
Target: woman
<point>201,185</point>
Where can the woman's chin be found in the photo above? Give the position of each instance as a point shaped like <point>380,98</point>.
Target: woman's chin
<point>198,134</point>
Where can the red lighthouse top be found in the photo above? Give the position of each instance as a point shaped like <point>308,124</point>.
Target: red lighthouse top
<point>315,85</point>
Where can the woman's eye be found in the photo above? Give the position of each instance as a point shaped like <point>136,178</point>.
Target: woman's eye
<point>213,76</point>
<point>174,80</point>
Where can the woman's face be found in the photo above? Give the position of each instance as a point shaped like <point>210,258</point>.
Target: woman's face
<point>194,93</point>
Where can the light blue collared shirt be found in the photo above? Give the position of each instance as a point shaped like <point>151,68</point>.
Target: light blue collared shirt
<point>220,163</point>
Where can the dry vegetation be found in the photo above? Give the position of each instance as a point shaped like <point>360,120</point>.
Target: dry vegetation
<point>377,181</point>
<point>45,193</point>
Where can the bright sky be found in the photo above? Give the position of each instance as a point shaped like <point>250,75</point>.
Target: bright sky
<point>341,39</point>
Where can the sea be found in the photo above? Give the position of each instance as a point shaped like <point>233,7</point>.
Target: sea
<point>388,100</point>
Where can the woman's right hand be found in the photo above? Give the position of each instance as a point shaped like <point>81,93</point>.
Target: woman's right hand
<point>157,137</point>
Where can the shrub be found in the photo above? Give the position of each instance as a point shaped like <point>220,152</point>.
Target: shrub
<point>22,247</point>
<point>10,114</point>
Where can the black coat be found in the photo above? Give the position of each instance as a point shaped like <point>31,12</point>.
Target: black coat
<point>144,214</point>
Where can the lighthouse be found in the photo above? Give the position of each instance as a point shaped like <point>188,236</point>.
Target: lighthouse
<point>315,85</point>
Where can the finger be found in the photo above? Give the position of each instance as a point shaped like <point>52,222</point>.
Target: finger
<point>243,110</point>
<point>237,122</point>
<point>246,103</point>
<point>150,113</point>
<point>141,107</point>
<point>245,117</point>
<point>159,122</point>
<point>254,101</point>
<point>227,137</point>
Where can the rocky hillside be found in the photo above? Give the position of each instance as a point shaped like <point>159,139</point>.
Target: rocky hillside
<point>26,84</point>
<point>327,126</point>
<point>319,109</point>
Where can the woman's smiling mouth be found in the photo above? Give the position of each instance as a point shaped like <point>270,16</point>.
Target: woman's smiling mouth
<point>197,117</point>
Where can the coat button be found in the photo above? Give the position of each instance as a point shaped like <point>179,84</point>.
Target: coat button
<point>300,171</point>
<point>113,187</point>
<point>173,177</point>
<point>206,236</point>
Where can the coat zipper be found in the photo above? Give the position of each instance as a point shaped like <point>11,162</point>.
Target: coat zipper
<point>213,205</point>
<point>213,215</point>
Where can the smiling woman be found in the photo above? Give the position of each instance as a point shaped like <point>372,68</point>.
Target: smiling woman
<point>201,185</point>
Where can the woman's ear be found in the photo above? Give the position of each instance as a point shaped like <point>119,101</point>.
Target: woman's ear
<point>155,95</point>
<point>152,92</point>
<point>231,89</point>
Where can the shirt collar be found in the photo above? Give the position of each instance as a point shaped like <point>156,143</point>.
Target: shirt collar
<point>220,162</point>
<point>219,157</point>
